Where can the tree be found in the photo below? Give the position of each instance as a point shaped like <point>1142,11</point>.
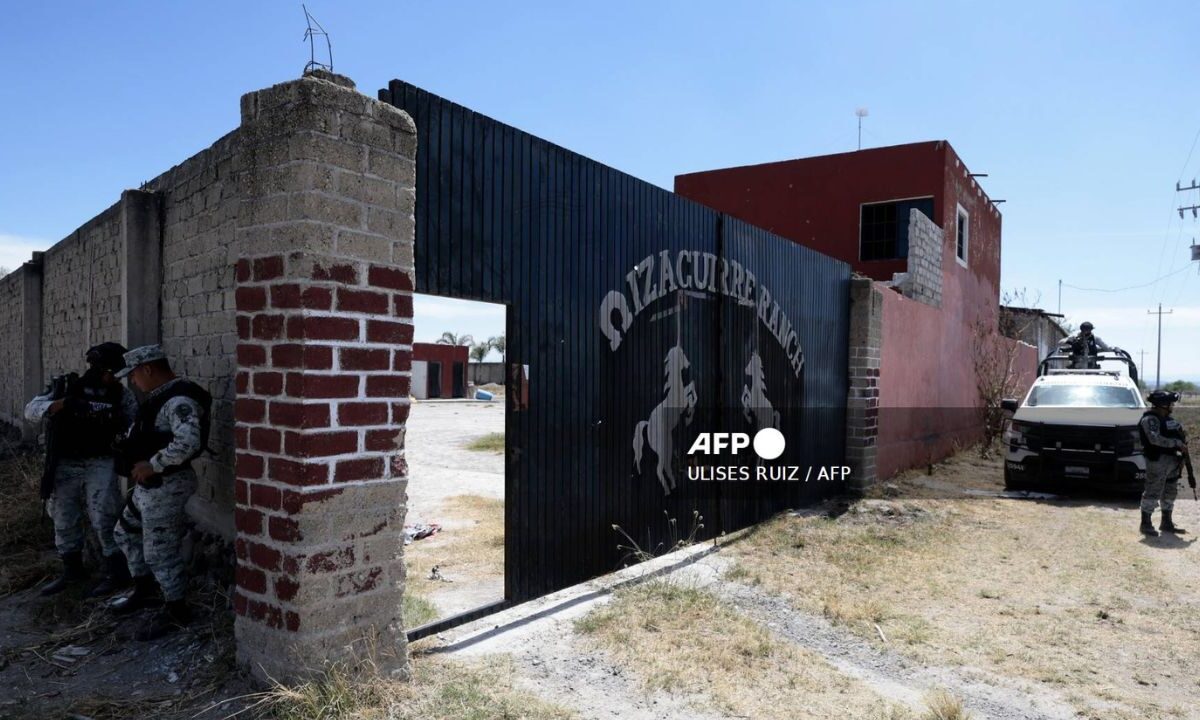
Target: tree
<point>1182,386</point>
<point>997,377</point>
<point>480,350</point>
<point>499,343</point>
<point>449,338</point>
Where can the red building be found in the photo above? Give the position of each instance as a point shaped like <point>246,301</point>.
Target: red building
<point>439,370</point>
<point>939,301</point>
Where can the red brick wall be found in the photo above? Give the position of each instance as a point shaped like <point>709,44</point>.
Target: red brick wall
<point>447,355</point>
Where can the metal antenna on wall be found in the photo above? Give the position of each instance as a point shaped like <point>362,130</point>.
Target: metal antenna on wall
<point>860,113</point>
<point>310,35</point>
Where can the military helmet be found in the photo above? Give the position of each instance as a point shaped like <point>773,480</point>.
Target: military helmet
<point>107,356</point>
<point>1163,398</point>
<point>1086,326</point>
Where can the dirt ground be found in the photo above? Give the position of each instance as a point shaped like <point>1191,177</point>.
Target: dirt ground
<point>939,597</point>
<point>463,491</point>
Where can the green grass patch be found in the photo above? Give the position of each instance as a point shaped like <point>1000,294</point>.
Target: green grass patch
<point>492,442</point>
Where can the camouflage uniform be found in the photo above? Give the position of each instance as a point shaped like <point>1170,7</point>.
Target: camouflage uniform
<point>151,528</point>
<point>1162,474</point>
<point>84,486</point>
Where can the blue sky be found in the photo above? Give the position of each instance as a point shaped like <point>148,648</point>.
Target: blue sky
<point>1084,115</point>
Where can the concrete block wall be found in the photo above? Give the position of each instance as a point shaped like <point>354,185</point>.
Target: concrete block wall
<point>200,203</point>
<point>276,269</point>
<point>324,321</point>
<point>862,404</point>
<point>923,279</point>
<point>12,350</point>
<point>81,301</point>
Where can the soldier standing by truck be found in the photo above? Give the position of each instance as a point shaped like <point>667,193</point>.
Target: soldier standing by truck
<point>1164,444</point>
<point>171,430</point>
<point>84,417</point>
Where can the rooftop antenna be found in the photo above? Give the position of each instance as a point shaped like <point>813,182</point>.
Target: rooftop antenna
<point>861,113</point>
<point>310,35</point>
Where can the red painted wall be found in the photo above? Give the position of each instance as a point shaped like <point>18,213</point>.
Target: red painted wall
<point>447,355</point>
<point>928,393</point>
<point>928,399</point>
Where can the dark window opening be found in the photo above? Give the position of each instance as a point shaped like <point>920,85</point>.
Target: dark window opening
<point>962,235</point>
<point>883,228</point>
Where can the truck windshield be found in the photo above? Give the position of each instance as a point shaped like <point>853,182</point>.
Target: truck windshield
<point>1082,396</point>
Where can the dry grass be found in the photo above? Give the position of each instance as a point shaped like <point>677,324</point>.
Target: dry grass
<point>461,552</point>
<point>680,639</point>
<point>24,533</point>
<point>492,442</point>
<point>416,610</point>
<point>1050,592</point>
<point>439,688</point>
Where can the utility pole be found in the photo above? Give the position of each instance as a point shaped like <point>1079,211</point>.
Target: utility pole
<point>1060,296</point>
<point>1194,208</point>
<point>1158,373</point>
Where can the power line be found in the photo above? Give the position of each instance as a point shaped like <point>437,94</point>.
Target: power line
<point>1131,287</point>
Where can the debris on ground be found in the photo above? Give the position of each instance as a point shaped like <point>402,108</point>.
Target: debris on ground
<point>421,531</point>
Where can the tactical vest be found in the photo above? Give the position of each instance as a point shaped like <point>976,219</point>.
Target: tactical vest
<point>144,440</point>
<point>90,421</point>
<point>1171,428</point>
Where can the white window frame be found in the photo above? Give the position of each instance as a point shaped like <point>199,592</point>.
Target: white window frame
<point>961,214</point>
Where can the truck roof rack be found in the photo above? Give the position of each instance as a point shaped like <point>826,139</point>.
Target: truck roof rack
<point>1059,362</point>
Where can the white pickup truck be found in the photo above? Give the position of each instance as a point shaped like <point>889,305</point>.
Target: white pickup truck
<point>1076,429</point>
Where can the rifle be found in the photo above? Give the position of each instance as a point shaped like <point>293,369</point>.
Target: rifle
<point>1187,463</point>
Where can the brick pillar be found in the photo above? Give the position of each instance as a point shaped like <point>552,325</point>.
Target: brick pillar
<point>324,319</point>
<point>31,351</point>
<point>862,404</point>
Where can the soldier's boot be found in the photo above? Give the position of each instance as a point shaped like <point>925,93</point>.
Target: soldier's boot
<point>115,578</point>
<point>174,615</point>
<point>145,594</point>
<point>1168,526</point>
<point>72,573</point>
<point>1147,527</point>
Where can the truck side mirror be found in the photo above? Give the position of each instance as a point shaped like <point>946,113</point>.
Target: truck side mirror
<point>1009,404</point>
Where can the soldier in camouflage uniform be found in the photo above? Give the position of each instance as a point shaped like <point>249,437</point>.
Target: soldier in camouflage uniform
<point>170,431</point>
<point>1164,443</point>
<point>85,415</point>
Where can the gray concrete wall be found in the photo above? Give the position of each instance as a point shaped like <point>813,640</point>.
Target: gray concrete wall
<point>483,373</point>
<point>923,280</point>
<point>12,349</point>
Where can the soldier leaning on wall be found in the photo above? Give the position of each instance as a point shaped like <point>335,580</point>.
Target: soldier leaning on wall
<point>171,430</point>
<point>84,416</point>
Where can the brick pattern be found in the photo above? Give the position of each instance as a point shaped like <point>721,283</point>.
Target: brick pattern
<point>12,357</point>
<point>323,294</point>
<point>320,407</point>
<point>82,293</point>
<point>862,404</point>
<point>200,205</point>
<point>923,279</point>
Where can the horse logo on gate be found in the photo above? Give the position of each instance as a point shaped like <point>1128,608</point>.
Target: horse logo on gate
<point>659,429</point>
<point>755,405</point>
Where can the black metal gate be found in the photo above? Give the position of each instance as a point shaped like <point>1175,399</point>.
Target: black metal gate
<point>640,319</point>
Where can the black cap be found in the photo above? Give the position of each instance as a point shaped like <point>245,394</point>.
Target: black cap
<point>1163,398</point>
<point>1086,326</point>
<point>107,356</point>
